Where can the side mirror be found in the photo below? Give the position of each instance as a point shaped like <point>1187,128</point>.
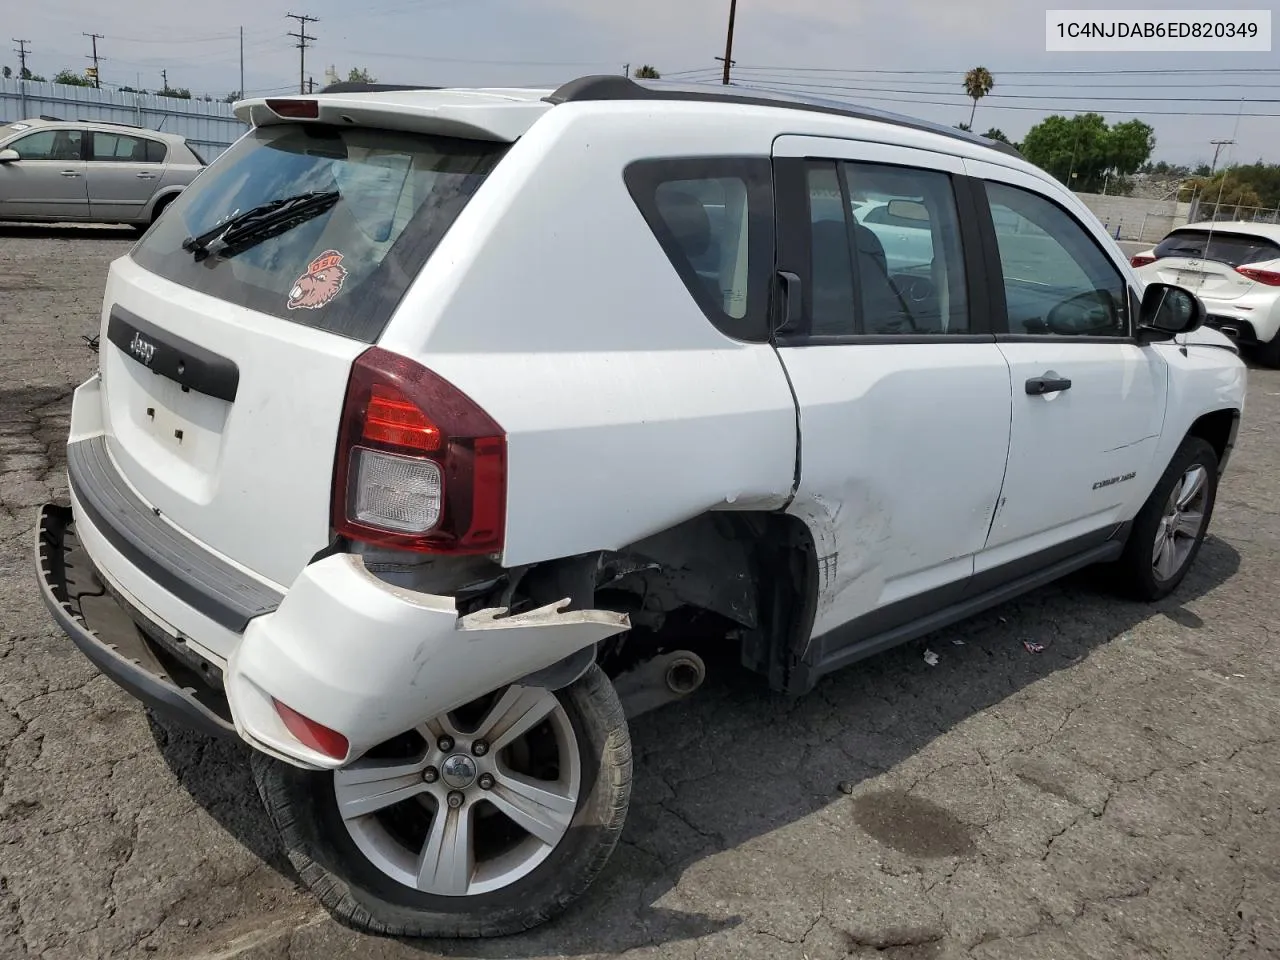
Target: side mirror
<point>1167,311</point>
<point>8,156</point>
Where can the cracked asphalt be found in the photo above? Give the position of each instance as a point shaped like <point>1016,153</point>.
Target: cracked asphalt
<point>1114,796</point>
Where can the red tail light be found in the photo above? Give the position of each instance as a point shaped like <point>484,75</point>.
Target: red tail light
<point>1141,260</point>
<point>419,465</point>
<point>1270,277</point>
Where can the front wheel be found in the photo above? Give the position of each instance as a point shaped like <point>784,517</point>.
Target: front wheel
<point>486,821</point>
<point>1170,528</point>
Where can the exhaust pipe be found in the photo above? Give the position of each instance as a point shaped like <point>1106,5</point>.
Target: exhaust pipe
<point>685,673</point>
<point>662,680</point>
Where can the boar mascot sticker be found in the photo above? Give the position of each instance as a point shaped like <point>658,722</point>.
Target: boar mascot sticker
<point>320,284</point>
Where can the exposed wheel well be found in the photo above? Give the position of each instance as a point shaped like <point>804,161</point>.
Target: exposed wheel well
<point>159,208</point>
<point>1218,429</point>
<point>741,584</point>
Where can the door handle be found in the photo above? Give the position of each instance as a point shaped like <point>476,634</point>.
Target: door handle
<point>145,176</point>
<point>70,173</point>
<point>1038,386</point>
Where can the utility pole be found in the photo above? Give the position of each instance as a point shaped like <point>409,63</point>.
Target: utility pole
<point>164,79</point>
<point>1217,147</point>
<point>728,43</point>
<point>22,75</point>
<point>626,70</point>
<point>302,36</point>
<point>311,84</point>
<point>242,63</point>
<point>95,37</point>
<point>22,58</point>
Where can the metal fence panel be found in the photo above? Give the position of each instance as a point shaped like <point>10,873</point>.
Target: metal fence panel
<point>211,127</point>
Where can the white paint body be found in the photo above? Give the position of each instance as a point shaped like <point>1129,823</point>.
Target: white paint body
<point>626,413</point>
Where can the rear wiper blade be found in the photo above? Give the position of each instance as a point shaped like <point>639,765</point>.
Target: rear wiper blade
<point>259,223</point>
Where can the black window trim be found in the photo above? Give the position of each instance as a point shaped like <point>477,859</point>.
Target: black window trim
<point>794,255</point>
<point>995,272</point>
<point>92,135</point>
<point>642,178</point>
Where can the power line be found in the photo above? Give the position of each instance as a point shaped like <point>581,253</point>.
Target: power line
<point>998,106</point>
<point>1003,73</point>
<point>779,76</point>
<point>1016,96</point>
<point>95,37</point>
<point>302,36</point>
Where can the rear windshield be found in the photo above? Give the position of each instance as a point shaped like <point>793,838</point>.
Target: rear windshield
<point>345,270</point>
<point>1233,249</point>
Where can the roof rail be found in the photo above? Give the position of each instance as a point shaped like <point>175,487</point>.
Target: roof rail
<point>112,123</point>
<point>356,86</point>
<point>45,116</point>
<point>614,87</point>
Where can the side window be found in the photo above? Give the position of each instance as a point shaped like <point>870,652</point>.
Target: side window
<point>714,219</point>
<point>156,151</point>
<point>885,254</point>
<point>1056,279</point>
<point>49,145</point>
<point>119,147</point>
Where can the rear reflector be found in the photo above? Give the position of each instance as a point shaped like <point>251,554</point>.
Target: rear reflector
<point>295,109</point>
<point>1270,277</point>
<point>1138,260</point>
<point>311,734</point>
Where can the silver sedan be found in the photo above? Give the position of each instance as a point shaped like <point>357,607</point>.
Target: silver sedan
<point>56,170</point>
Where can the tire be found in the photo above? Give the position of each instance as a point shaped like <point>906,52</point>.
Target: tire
<point>1146,574</point>
<point>160,207</point>
<point>326,851</point>
<point>1268,354</point>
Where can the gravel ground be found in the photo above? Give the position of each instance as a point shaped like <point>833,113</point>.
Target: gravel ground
<point>1115,796</point>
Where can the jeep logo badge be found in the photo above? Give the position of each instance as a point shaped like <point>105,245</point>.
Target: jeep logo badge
<point>142,349</point>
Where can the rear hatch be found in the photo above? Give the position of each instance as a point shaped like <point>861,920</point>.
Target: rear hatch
<point>1207,263</point>
<point>224,370</point>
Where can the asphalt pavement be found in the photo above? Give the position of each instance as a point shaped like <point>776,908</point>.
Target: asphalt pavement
<point>1114,796</point>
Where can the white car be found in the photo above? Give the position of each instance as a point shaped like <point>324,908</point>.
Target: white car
<point>429,422</point>
<point>1234,267</point>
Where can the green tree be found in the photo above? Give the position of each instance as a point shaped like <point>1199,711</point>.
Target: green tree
<point>977,84</point>
<point>178,93</point>
<point>360,75</point>
<point>1082,151</point>
<point>8,72</point>
<point>71,79</point>
<point>1129,146</point>
<point>232,97</point>
<point>963,126</point>
<point>995,133</point>
<point>648,72</point>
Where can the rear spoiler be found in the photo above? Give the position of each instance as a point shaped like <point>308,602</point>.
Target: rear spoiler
<point>470,115</point>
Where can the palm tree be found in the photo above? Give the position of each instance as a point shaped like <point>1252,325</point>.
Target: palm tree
<point>977,84</point>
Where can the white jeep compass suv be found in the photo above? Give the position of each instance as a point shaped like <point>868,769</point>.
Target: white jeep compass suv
<point>429,421</point>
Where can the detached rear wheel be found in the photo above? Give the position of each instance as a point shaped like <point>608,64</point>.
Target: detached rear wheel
<point>484,822</point>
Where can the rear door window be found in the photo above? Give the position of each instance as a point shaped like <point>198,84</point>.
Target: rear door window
<point>1233,249</point>
<point>344,270</point>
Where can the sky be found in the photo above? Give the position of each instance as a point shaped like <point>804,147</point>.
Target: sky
<point>902,55</point>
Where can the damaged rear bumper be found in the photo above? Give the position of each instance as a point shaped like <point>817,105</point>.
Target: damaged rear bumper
<point>109,637</point>
<point>344,648</point>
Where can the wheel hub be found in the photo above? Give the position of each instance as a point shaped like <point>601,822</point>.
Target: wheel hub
<point>458,771</point>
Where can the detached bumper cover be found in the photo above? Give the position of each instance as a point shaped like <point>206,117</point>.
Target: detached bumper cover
<point>107,635</point>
